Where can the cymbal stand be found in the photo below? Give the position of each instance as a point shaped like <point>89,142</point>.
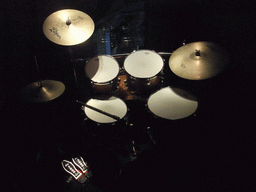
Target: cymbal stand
<point>70,52</point>
<point>40,85</point>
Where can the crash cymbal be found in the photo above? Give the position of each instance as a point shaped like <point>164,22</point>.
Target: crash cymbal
<point>198,60</point>
<point>43,91</point>
<point>68,27</point>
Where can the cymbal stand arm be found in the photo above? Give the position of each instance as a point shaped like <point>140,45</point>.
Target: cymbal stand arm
<point>75,75</point>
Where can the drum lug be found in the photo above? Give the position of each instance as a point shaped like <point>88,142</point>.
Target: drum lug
<point>118,83</point>
<point>162,80</point>
<point>111,83</point>
<point>93,85</point>
<point>148,81</point>
<point>126,119</point>
<point>121,69</point>
<point>133,79</point>
<point>125,82</point>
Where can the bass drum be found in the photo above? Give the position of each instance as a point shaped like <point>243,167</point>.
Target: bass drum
<point>103,72</point>
<point>144,69</point>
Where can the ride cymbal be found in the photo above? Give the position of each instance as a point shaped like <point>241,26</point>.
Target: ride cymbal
<point>198,60</point>
<point>43,91</point>
<point>68,27</point>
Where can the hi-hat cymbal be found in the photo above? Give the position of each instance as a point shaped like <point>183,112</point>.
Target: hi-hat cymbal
<point>43,91</point>
<point>68,27</point>
<point>198,60</point>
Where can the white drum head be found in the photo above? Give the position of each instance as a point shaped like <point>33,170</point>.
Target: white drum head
<point>143,64</point>
<point>167,104</point>
<point>102,69</point>
<point>113,106</point>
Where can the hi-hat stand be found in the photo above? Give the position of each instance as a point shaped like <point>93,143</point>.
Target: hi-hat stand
<point>42,90</point>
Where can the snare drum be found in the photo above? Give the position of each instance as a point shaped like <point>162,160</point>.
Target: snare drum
<point>111,105</point>
<point>102,126</point>
<point>144,68</point>
<point>103,72</point>
<point>172,104</point>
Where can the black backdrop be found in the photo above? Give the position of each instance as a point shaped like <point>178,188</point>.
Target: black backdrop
<point>216,148</point>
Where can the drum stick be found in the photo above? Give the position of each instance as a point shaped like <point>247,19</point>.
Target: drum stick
<point>98,110</point>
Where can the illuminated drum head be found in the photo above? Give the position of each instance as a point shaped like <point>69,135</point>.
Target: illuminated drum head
<point>143,64</point>
<point>113,105</point>
<point>167,104</point>
<point>102,69</point>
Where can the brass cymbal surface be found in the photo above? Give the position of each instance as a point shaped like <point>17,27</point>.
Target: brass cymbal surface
<point>198,60</point>
<point>68,27</point>
<point>43,91</point>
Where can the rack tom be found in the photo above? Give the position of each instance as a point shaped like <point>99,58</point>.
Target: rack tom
<point>103,72</point>
<point>144,69</point>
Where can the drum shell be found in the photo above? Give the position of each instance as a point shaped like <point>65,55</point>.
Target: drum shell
<point>110,135</point>
<point>144,85</point>
<point>174,132</point>
<point>103,72</point>
<point>144,70</point>
<point>106,88</point>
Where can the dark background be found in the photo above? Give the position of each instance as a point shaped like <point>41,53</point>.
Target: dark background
<point>212,151</point>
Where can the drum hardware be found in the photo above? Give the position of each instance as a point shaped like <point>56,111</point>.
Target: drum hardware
<point>68,27</point>
<point>184,42</point>
<point>125,82</point>
<point>98,110</point>
<point>198,60</point>
<point>164,53</point>
<point>133,149</point>
<point>42,90</point>
<point>150,135</point>
<point>148,82</point>
<point>70,52</point>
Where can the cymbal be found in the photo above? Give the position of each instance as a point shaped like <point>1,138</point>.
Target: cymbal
<point>43,91</point>
<point>198,60</point>
<point>68,27</point>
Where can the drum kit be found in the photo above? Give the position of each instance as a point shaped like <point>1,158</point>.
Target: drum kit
<point>141,76</point>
